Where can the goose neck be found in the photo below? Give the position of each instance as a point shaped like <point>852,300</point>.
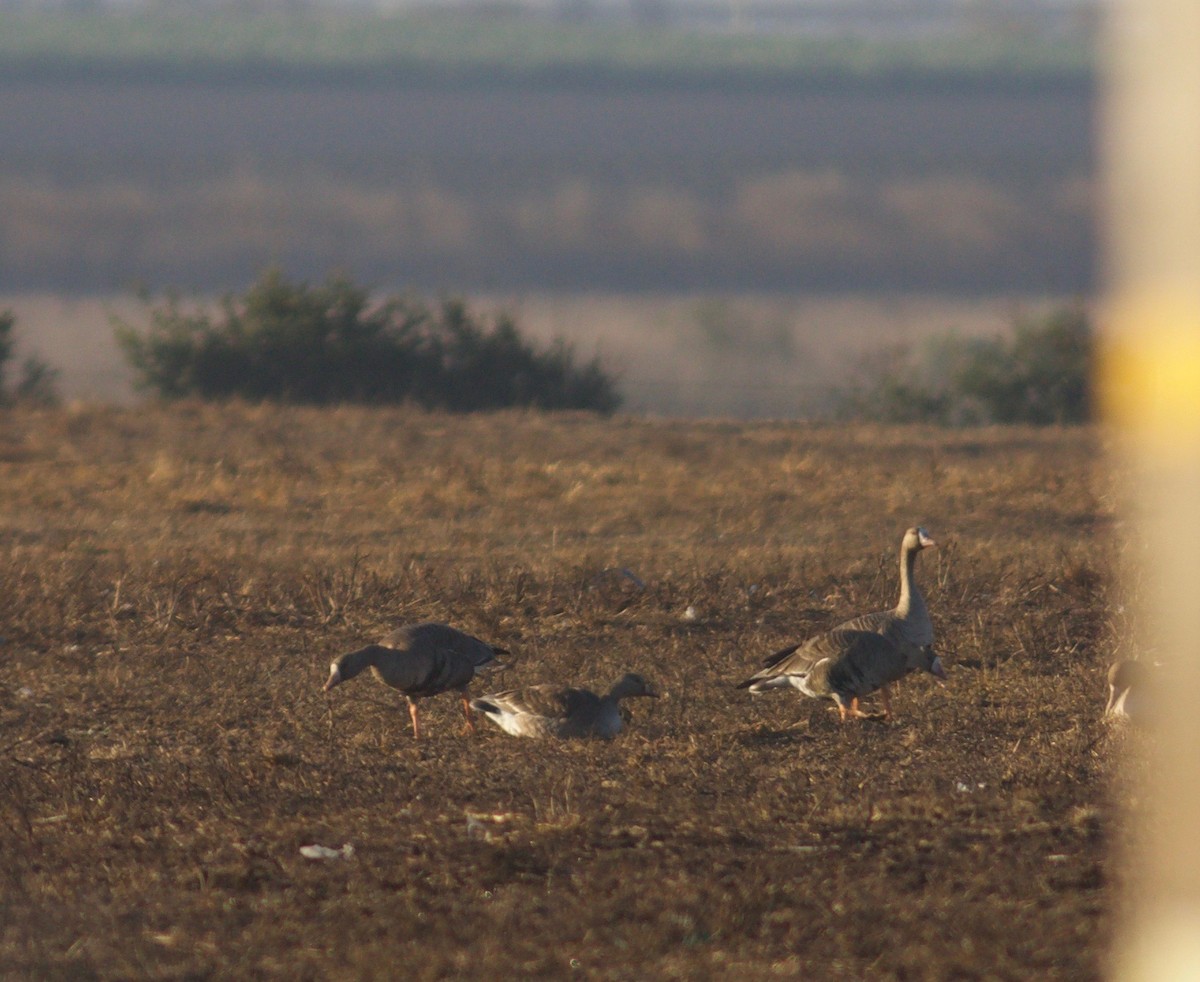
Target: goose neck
<point>908,584</point>
<point>354,663</point>
<point>623,688</point>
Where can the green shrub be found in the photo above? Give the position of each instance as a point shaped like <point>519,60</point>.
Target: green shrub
<point>37,383</point>
<point>291,342</point>
<point>1040,375</point>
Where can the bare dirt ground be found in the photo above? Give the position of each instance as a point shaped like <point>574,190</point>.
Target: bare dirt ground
<point>176,582</point>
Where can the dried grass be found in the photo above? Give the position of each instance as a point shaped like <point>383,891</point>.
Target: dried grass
<point>177,580</point>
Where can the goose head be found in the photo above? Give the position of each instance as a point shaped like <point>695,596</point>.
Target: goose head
<point>916,539</point>
<point>928,661</point>
<point>632,685</point>
<point>347,666</point>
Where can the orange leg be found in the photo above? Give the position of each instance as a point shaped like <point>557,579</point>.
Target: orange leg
<point>466,704</point>
<point>412,711</point>
<point>887,703</point>
<point>853,710</point>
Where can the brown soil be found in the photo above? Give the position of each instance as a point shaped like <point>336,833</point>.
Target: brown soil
<point>176,582</point>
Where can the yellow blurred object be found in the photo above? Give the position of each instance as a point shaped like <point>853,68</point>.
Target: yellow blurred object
<point>1149,369</point>
<point>1149,387</point>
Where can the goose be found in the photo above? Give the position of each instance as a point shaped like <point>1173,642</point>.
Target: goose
<point>1126,690</point>
<point>420,660</point>
<point>844,666</point>
<point>908,622</point>
<point>559,711</point>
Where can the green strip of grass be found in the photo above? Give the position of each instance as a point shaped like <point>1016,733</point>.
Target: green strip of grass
<point>448,48</point>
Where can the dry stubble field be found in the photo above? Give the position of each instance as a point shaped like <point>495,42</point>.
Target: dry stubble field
<point>176,581</point>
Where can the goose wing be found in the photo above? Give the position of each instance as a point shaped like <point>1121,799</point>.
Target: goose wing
<point>548,702</point>
<point>851,663</point>
<point>877,622</point>
<point>798,660</point>
<point>864,662</point>
<point>776,657</point>
<point>438,657</point>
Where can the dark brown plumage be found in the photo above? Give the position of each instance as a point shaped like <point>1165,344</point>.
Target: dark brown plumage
<point>844,666</point>
<point>420,660</point>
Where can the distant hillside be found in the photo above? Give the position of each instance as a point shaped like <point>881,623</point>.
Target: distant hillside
<point>434,47</point>
<point>513,153</point>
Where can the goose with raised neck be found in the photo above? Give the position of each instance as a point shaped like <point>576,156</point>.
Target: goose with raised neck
<point>908,622</point>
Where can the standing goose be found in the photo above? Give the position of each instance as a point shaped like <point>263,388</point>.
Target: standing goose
<point>559,711</point>
<point>844,666</point>
<point>420,660</point>
<point>906,624</point>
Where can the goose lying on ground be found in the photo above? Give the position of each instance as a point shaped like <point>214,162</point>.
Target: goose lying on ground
<point>844,666</point>
<point>420,660</point>
<point>558,711</point>
<point>1127,690</point>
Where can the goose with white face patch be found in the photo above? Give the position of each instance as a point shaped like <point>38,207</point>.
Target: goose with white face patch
<point>420,660</point>
<point>907,625</point>
<point>908,622</point>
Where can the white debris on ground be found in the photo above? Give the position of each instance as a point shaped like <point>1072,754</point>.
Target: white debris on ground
<point>324,852</point>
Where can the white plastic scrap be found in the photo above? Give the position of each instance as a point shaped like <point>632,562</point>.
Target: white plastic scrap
<point>479,824</point>
<point>324,852</point>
